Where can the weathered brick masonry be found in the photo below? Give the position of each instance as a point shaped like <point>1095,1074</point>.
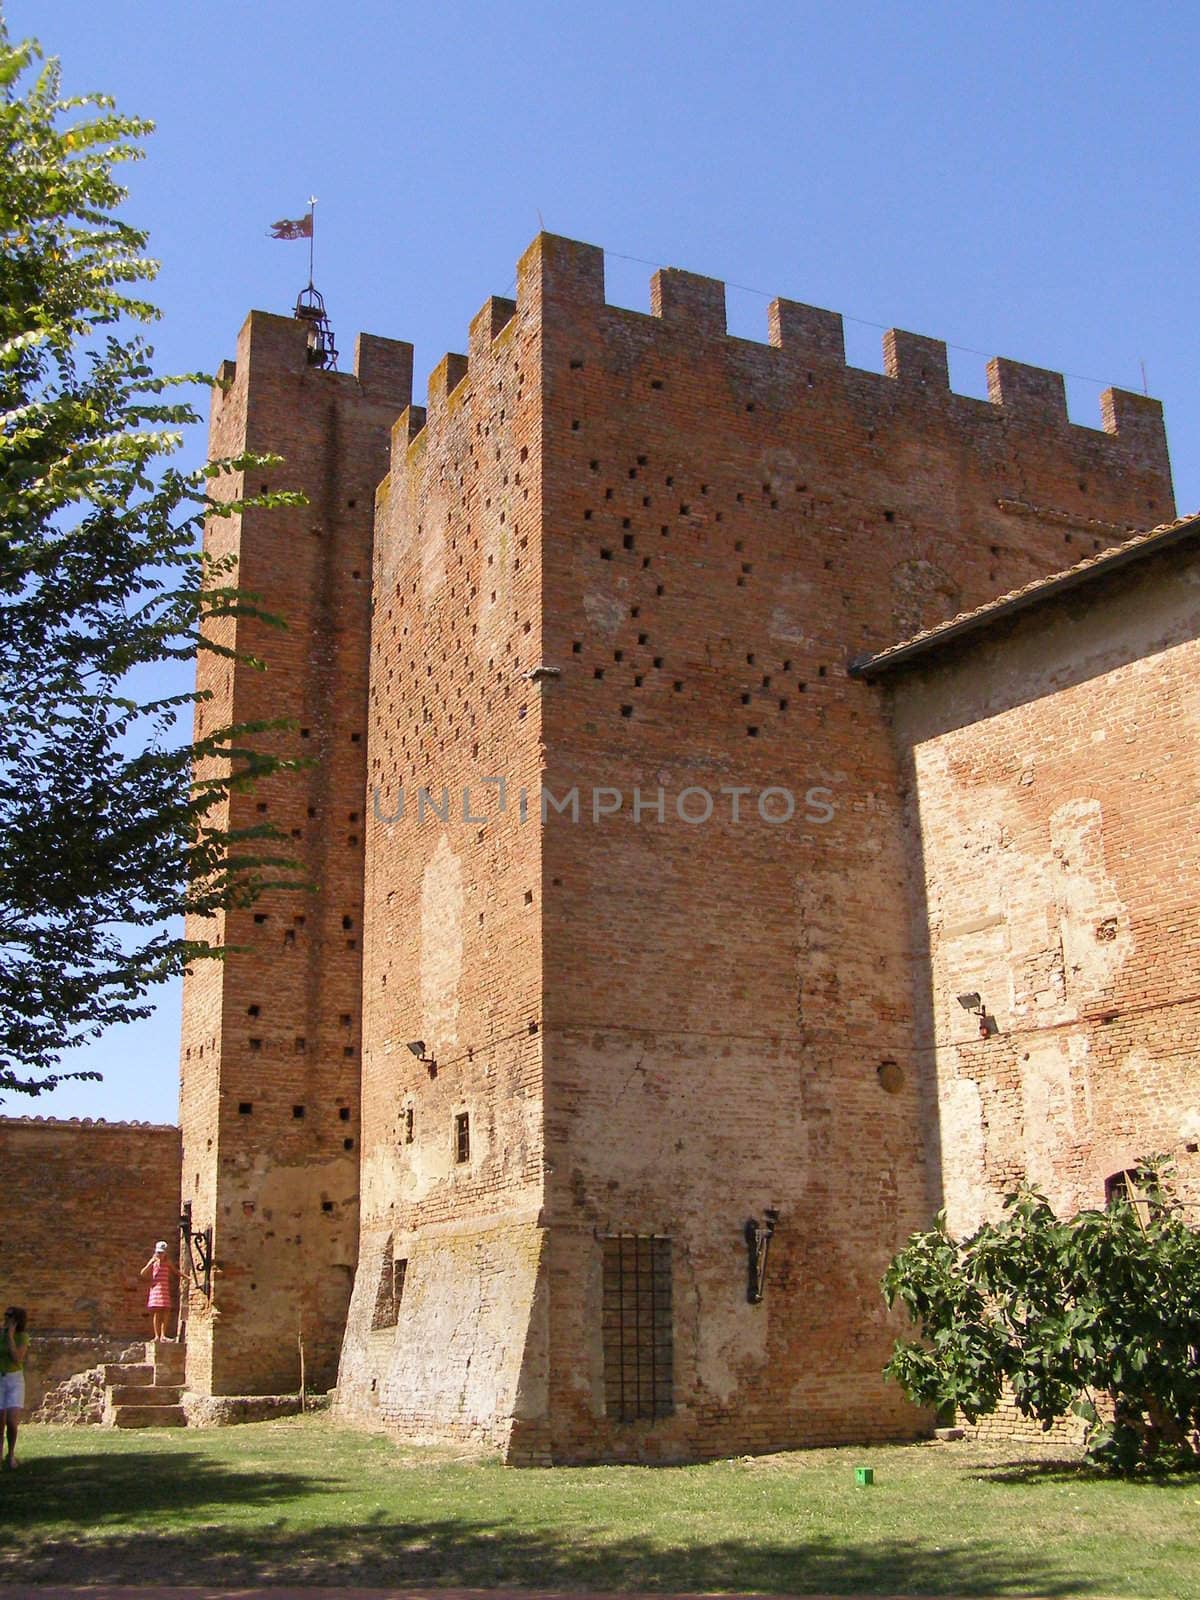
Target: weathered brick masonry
<point>616,555</point>
<point>271,1035</point>
<point>1050,766</point>
<point>724,524</point>
<point>81,1206</point>
<point>453,908</point>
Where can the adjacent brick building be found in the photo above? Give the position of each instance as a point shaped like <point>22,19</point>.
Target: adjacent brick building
<point>1049,747</point>
<point>612,859</point>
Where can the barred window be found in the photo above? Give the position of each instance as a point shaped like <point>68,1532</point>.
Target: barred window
<point>638,1342</point>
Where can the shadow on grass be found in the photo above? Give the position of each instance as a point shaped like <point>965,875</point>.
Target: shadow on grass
<point>1076,1471</point>
<point>104,1494</point>
<point>94,1489</point>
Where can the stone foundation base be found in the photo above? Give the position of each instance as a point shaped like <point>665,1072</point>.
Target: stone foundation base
<point>223,1410</point>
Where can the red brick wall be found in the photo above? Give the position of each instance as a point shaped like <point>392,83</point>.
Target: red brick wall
<point>272,1036</point>
<point>688,535</point>
<point>81,1207</point>
<point>453,942</point>
<point>726,525</point>
<point>1055,864</point>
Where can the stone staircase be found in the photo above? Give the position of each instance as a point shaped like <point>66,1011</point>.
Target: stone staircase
<point>146,1394</point>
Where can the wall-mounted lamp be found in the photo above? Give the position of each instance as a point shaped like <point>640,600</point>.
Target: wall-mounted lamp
<point>972,1002</point>
<point>417,1047</point>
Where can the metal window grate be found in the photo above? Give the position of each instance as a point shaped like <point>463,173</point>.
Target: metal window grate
<point>638,1342</point>
<point>462,1137</point>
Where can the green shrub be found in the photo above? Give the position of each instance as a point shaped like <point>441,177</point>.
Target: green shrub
<point>1096,1315</point>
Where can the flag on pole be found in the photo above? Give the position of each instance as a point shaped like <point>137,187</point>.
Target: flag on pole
<point>300,228</point>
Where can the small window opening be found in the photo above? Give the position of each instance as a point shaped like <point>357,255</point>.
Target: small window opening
<point>1124,1186</point>
<point>462,1137</point>
<point>384,1314</point>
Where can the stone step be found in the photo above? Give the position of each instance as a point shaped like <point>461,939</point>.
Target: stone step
<point>148,1417</point>
<point>152,1394</point>
<point>169,1362</point>
<point>128,1373</point>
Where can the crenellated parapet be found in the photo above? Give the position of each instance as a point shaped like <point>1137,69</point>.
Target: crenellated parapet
<point>487,324</point>
<point>277,345</point>
<point>564,280</point>
<point>446,381</point>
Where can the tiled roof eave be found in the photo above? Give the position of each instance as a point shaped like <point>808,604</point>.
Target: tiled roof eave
<point>1141,547</point>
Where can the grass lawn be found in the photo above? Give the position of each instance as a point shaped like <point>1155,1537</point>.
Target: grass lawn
<point>304,1502</point>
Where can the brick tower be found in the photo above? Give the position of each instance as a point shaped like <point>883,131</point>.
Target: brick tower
<point>269,1100</point>
<point>643,1119</point>
<point>644,1112</point>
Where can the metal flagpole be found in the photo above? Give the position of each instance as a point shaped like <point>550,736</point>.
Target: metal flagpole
<point>310,306</point>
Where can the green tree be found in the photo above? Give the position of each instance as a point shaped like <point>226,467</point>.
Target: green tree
<point>104,838</point>
<point>1097,1315</point>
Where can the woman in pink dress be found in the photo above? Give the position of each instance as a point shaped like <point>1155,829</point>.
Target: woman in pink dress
<point>160,1272</point>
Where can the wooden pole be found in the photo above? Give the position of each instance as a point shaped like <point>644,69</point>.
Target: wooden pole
<point>300,1343</point>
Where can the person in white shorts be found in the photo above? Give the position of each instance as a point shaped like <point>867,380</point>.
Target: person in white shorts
<point>14,1344</point>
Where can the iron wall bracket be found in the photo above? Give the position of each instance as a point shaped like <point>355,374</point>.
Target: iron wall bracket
<point>198,1244</point>
<point>758,1237</point>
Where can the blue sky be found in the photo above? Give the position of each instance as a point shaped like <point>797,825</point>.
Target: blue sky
<point>1017,180</point>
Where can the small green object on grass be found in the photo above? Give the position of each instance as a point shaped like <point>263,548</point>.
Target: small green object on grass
<point>864,1477</point>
